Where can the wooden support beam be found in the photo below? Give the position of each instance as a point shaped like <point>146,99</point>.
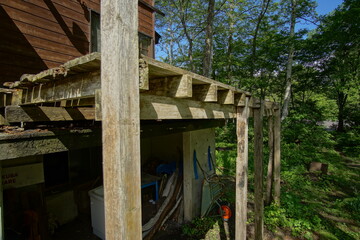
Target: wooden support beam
<point>2,235</point>
<point>120,119</point>
<point>241,171</point>
<point>98,111</point>
<point>174,86</point>
<point>43,114</point>
<point>157,107</point>
<point>226,96</point>
<point>270,168</point>
<point>3,97</point>
<point>2,117</point>
<point>277,158</point>
<point>258,171</point>
<point>32,143</point>
<point>205,92</point>
<point>239,99</point>
<point>143,75</point>
<point>16,97</point>
<point>77,86</point>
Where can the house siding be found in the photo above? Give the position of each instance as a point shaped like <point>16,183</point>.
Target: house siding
<point>42,34</point>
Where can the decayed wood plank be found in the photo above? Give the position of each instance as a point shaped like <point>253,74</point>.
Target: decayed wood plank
<point>226,97</point>
<point>158,107</point>
<point>120,119</point>
<point>269,178</point>
<point>143,75</point>
<point>174,86</point>
<point>241,171</point>
<point>77,86</point>
<point>277,159</point>
<point>43,114</point>
<point>87,63</point>
<point>205,92</point>
<point>258,166</point>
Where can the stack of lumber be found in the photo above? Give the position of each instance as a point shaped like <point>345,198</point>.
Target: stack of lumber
<point>173,200</point>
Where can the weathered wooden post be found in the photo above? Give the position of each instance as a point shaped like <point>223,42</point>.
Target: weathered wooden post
<point>277,162</point>
<point>241,171</point>
<point>120,118</point>
<point>258,169</point>
<point>269,179</point>
<point>2,236</point>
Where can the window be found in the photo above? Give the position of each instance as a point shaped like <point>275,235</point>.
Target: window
<point>144,44</point>
<point>95,32</point>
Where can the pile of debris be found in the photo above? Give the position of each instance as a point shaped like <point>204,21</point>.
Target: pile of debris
<point>171,207</point>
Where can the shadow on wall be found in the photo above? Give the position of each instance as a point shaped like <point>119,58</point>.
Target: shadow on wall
<point>77,36</point>
<point>17,56</point>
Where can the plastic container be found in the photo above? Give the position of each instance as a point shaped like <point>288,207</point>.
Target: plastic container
<point>97,211</point>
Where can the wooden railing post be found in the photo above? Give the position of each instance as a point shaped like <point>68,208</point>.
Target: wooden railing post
<point>241,171</point>
<point>269,179</point>
<point>258,169</point>
<point>120,119</point>
<point>277,162</point>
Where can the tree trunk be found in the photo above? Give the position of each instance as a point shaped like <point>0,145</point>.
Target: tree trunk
<point>230,43</point>
<point>287,96</point>
<point>341,101</point>
<point>264,9</point>
<point>189,38</point>
<point>208,50</point>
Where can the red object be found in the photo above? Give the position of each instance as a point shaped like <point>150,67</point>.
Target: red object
<point>225,212</point>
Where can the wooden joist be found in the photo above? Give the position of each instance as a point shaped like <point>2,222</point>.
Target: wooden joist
<point>205,92</point>
<point>43,114</point>
<point>226,97</point>
<point>239,99</point>
<point>159,69</point>
<point>157,107</point>
<point>173,86</point>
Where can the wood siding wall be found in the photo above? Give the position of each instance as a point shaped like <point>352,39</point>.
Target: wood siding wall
<point>41,34</point>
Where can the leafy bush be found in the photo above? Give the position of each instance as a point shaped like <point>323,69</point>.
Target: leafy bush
<point>198,228</point>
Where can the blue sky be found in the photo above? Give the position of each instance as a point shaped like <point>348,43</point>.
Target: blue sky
<point>324,7</point>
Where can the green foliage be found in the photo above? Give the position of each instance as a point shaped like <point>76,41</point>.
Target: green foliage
<point>198,228</point>
<point>348,142</point>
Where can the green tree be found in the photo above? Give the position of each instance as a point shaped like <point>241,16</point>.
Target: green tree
<point>338,59</point>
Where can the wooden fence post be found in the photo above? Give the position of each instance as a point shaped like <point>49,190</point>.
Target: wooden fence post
<point>241,171</point>
<point>258,169</point>
<point>120,119</point>
<point>2,235</point>
<point>277,162</point>
<point>269,179</point>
